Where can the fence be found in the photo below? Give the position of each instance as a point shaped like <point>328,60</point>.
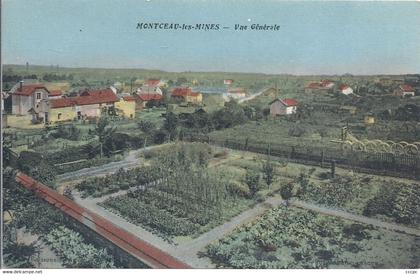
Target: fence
<point>388,164</point>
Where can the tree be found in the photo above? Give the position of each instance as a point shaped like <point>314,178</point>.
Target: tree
<point>103,132</point>
<point>171,124</point>
<point>146,126</point>
<point>286,191</point>
<point>252,179</point>
<point>268,171</point>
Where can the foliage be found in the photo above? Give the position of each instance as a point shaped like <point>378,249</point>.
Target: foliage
<point>36,166</point>
<point>286,191</point>
<point>104,133</point>
<point>186,198</point>
<point>268,172</point>
<point>120,180</point>
<point>146,126</point>
<point>18,255</point>
<point>297,131</point>
<point>170,125</point>
<point>70,132</point>
<point>74,252</point>
<point>252,179</point>
<point>397,201</point>
<point>312,239</point>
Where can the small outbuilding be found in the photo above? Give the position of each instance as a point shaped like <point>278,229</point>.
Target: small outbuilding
<point>283,107</point>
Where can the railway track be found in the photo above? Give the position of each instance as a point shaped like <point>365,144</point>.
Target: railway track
<point>143,251</point>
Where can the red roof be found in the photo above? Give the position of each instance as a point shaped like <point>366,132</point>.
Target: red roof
<point>289,102</point>
<point>55,92</point>
<point>326,82</point>
<point>129,98</point>
<point>407,88</point>
<point>149,97</point>
<point>313,85</point>
<point>343,87</point>
<point>28,90</point>
<point>184,92</point>
<point>152,82</point>
<point>62,102</point>
<point>100,96</point>
<point>236,90</point>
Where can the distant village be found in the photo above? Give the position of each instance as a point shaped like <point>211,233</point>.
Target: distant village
<point>33,103</point>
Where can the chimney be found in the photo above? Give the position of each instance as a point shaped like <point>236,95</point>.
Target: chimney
<point>21,85</point>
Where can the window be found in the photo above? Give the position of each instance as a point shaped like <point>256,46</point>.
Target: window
<point>38,95</point>
<point>59,116</point>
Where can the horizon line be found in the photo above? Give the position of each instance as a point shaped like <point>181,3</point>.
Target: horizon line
<point>211,71</point>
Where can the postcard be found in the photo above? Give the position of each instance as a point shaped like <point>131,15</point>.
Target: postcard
<point>210,134</point>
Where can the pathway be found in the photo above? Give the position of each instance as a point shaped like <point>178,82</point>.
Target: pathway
<point>129,161</point>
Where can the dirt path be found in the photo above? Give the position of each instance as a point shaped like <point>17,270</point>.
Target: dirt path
<point>357,218</point>
<point>129,161</point>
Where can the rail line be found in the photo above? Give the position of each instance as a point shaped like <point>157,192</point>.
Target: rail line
<point>143,251</point>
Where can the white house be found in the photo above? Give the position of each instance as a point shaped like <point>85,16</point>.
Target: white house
<point>151,86</point>
<point>346,90</point>
<point>404,90</point>
<point>30,100</point>
<point>236,93</point>
<point>283,107</point>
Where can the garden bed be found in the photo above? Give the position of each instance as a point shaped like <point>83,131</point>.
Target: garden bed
<point>295,238</point>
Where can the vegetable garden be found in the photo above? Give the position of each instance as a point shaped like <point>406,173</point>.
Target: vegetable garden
<point>187,198</point>
<point>294,238</point>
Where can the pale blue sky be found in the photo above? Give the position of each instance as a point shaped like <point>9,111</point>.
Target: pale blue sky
<point>314,38</point>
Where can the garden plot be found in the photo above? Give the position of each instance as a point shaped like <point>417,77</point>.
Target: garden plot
<point>386,198</point>
<point>183,196</point>
<point>295,238</point>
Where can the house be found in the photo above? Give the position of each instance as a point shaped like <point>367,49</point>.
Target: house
<point>404,90</point>
<point>236,93</point>
<point>90,103</point>
<point>55,94</point>
<point>32,100</point>
<point>62,110</point>
<point>143,99</point>
<point>327,83</point>
<point>126,107</point>
<point>321,85</point>
<point>151,86</point>
<point>186,95</point>
<point>228,81</point>
<point>283,107</point>
<point>345,89</point>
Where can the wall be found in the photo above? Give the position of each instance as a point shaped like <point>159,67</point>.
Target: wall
<point>195,99</point>
<point>21,104</point>
<point>89,110</point>
<point>67,114</point>
<point>277,108</point>
<point>128,108</point>
<point>20,121</point>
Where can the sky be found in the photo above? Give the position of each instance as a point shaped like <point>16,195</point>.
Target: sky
<point>314,37</point>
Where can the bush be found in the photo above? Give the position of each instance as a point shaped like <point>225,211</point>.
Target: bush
<point>238,188</point>
<point>296,131</point>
